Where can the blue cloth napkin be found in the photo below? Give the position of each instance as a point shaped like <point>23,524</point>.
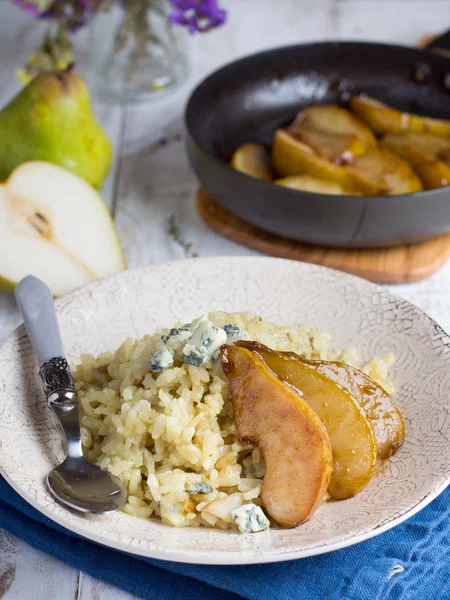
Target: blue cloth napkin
<point>411,561</point>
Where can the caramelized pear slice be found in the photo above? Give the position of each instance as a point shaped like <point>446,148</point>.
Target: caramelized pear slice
<point>385,418</point>
<point>254,160</point>
<point>334,120</point>
<point>351,435</point>
<point>382,119</point>
<point>338,149</point>
<point>444,155</point>
<point>384,168</point>
<point>293,157</point>
<point>430,144</point>
<point>311,184</point>
<point>434,173</point>
<point>292,439</point>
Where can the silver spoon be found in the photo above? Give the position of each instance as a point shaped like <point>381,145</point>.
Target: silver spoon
<point>75,482</point>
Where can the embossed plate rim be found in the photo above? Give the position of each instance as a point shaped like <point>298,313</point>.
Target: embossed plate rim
<point>256,552</point>
<point>228,559</point>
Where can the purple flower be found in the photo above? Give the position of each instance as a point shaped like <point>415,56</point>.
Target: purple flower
<point>197,15</point>
<point>73,13</point>
<point>30,8</point>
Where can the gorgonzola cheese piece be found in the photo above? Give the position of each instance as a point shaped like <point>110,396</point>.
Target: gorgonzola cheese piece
<point>193,356</point>
<point>204,343</point>
<point>199,488</point>
<point>234,333</point>
<point>195,343</point>
<point>250,518</point>
<point>177,335</point>
<point>160,360</point>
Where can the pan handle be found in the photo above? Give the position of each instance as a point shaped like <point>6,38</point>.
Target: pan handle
<point>441,42</point>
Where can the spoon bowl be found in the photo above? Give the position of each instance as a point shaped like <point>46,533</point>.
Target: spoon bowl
<point>83,486</point>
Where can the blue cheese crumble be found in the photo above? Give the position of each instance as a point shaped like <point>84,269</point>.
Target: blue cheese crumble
<point>193,356</point>
<point>179,334</point>
<point>195,343</point>
<point>160,360</point>
<point>234,333</point>
<point>250,518</point>
<point>200,488</point>
<point>204,343</point>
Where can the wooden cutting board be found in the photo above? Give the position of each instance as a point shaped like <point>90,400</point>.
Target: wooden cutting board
<point>391,265</point>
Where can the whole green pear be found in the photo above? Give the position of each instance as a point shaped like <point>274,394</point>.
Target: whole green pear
<point>51,119</point>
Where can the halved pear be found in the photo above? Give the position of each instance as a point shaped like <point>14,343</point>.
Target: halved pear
<point>293,157</point>
<point>253,159</point>
<point>350,432</point>
<point>334,120</point>
<point>382,119</point>
<point>434,173</point>
<point>385,418</point>
<point>312,184</point>
<point>381,167</point>
<point>55,226</point>
<point>292,439</point>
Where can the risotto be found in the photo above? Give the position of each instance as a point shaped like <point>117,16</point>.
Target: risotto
<point>157,413</point>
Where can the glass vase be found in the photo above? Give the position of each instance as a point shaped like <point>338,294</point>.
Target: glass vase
<point>137,53</point>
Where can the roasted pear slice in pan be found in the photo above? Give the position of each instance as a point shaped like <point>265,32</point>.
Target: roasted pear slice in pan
<point>253,159</point>
<point>293,157</point>
<point>382,167</point>
<point>338,149</point>
<point>382,119</point>
<point>434,173</point>
<point>432,145</point>
<point>312,184</point>
<point>334,120</point>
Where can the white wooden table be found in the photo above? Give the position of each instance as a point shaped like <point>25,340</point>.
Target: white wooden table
<point>152,182</point>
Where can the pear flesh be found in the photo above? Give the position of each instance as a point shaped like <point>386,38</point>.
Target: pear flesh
<point>51,120</point>
<point>55,226</point>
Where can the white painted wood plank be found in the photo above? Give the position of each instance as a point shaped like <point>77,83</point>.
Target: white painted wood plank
<point>109,115</point>
<point>9,317</point>
<point>18,38</point>
<point>395,21</point>
<point>93,589</point>
<point>26,574</point>
<point>381,1</point>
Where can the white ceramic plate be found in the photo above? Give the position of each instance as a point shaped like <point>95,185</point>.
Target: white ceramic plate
<point>98,317</point>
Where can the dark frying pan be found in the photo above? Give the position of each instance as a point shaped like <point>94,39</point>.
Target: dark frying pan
<point>248,99</point>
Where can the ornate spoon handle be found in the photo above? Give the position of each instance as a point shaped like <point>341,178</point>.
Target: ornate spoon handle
<point>35,303</point>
